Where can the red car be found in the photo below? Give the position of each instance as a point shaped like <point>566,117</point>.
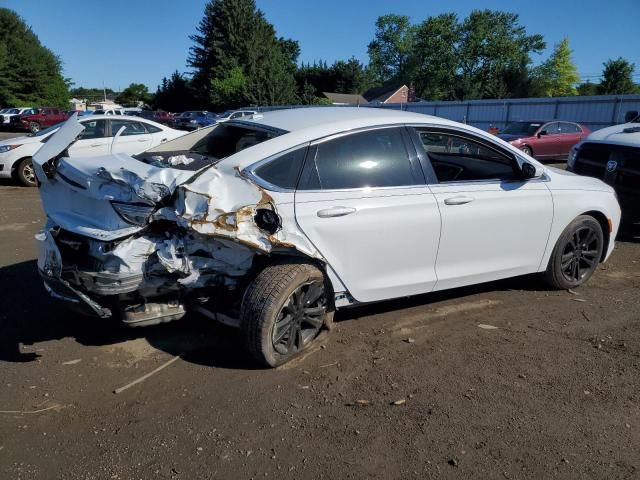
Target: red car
<point>545,139</point>
<point>43,118</point>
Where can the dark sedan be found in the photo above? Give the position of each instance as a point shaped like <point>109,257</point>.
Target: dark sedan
<point>545,139</point>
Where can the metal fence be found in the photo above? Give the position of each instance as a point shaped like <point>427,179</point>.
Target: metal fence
<point>594,111</point>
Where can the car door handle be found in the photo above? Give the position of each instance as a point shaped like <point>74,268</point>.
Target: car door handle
<point>335,212</point>
<point>458,200</point>
<point>142,139</point>
<point>95,144</point>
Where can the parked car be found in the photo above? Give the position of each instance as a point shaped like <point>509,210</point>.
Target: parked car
<point>41,118</point>
<point>193,120</point>
<point>109,111</point>
<point>96,139</point>
<point>235,114</point>
<point>613,155</point>
<point>6,114</point>
<point>544,139</point>
<point>157,116</point>
<point>295,213</point>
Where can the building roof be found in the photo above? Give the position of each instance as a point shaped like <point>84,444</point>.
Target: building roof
<point>382,94</point>
<point>345,98</point>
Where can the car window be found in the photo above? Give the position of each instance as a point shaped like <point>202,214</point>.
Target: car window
<point>131,128</point>
<point>94,129</point>
<point>284,170</point>
<point>569,128</point>
<point>376,158</point>
<point>552,128</point>
<point>457,158</point>
<point>151,128</point>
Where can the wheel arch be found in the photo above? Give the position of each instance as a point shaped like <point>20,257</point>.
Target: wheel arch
<point>602,219</point>
<point>14,165</point>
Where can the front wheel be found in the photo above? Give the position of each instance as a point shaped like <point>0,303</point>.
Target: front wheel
<point>25,173</point>
<point>283,312</point>
<point>34,127</point>
<point>576,254</point>
<point>527,150</point>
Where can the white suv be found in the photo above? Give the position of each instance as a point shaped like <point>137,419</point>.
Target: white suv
<point>273,223</point>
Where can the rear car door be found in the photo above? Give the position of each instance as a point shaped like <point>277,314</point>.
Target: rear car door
<point>93,141</point>
<point>134,139</point>
<point>363,203</point>
<point>570,134</point>
<point>494,224</point>
<point>548,143</point>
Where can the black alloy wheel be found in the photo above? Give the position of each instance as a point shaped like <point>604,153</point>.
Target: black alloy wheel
<point>300,319</point>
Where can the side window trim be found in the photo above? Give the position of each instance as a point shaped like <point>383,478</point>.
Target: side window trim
<point>261,182</point>
<point>430,172</point>
<point>309,167</point>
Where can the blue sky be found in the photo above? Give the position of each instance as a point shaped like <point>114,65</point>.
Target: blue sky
<point>124,41</point>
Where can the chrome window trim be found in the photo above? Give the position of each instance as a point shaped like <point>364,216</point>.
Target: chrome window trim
<point>250,171</point>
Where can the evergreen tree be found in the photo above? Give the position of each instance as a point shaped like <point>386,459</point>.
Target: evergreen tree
<point>30,74</point>
<point>558,76</point>
<point>237,58</point>
<point>175,94</point>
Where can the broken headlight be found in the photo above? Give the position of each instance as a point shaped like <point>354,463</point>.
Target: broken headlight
<point>133,213</point>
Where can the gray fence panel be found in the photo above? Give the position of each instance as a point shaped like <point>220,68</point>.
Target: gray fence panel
<point>595,112</point>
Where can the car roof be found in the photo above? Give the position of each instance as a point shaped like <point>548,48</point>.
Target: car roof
<point>335,119</point>
<point>89,118</point>
<point>303,125</point>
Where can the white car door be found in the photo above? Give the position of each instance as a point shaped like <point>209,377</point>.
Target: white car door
<point>363,203</point>
<point>158,134</point>
<point>93,140</point>
<point>134,139</point>
<point>494,223</point>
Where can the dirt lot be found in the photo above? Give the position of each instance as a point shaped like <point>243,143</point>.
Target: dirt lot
<point>553,391</point>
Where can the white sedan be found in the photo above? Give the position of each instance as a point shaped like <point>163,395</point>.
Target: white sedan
<point>96,139</point>
<point>274,222</point>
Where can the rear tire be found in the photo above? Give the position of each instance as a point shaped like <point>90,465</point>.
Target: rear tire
<point>25,173</point>
<point>283,312</point>
<point>576,255</point>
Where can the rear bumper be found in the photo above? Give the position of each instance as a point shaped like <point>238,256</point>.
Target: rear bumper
<point>50,269</point>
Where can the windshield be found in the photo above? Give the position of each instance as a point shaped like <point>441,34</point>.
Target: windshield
<point>522,128</point>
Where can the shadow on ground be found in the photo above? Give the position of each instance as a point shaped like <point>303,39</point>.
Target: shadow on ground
<point>28,316</point>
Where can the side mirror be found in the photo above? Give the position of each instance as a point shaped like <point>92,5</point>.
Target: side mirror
<point>630,116</point>
<point>528,171</point>
<point>542,132</point>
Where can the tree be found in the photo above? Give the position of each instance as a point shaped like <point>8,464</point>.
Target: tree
<point>236,52</point>
<point>587,88</point>
<point>558,76</point>
<point>436,58</point>
<point>493,45</point>
<point>175,94</point>
<point>390,50</point>
<point>134,95</point>
<point>617,78</point>
<point>485,55</point>
<point>30,74</point>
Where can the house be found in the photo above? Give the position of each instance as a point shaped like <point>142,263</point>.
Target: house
<point>395,94</point>
<point>345,98</point>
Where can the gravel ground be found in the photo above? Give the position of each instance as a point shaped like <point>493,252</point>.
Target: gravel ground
<point>413,388</point>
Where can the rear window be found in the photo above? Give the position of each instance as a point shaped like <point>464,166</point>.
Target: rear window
<point>219,142</point>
